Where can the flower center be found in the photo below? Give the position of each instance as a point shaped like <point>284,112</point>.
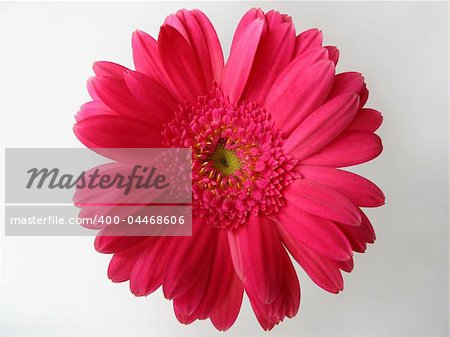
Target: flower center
<point>225,161</point>
<point>238,165</point>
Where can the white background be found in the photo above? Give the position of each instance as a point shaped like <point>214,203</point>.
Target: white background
<point>58,286</point>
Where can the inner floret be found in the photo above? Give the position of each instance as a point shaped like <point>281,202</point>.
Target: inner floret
<point>238,165</point>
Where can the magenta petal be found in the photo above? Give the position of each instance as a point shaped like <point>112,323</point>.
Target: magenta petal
<point>256,253</point>
<point>147,59</point>
<point>317,233</point>
<point>105,68</point>
<point>323,271</point>
<point>192,259</point>
<point>243,50</point>
<point>346,266</point>
<point>273,55</point>
<point>345,83</point>
<point>221,272</point>
<point>93,108</point>
<point>359,190</point>
<point>157,103</point>
<point>225,314</point>
<point>308,39</point>
<point>116,95</point>
<point>299,91</point>
<point>199,32</point>
<point>322,126</point>
<point>322,201</point>
<point>333,53</point>
<point>114,244</point>
<point>350,148</point>
<point>181,63</point>
<point>366,120</point>
<point>103,131</point>
<point>148,272</point>
<point>122,263</point>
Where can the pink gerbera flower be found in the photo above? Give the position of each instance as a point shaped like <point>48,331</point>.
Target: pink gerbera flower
<point>268,131</point>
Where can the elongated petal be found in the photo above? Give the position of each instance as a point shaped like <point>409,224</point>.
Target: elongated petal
<point>366,120</point>
<point>213,45</point>
<point>147,59</point>
<point>362,192</point>
<point>225,314</point>
<point>359,190</point>
<point>243,50</point>
<point>317,233</point>
<point>322,126</point>
<point>322,201</point>
<point>298,92</point>
<point>181,63</point>
<point>350,148</point>
<point>222,272</point>
<point>346,82</point>
<point>285,304</point>
<point>199,32</point>
<point>115,94</point>
<point>105,68</point>
<point>256,251</point>
<point>114,244</point>
<point>333,53</point>
<point>323,271</point>
<point>110,131</point>
<point>346,266</point>
<point>192,259</point>
<point>93,108</point>
<point>148,272</point>
<point>122,263</point>
<point>274,53</point>
<point>308,39</point>
<point>157,103</point>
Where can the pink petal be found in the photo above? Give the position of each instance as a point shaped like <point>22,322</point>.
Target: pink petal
<point>113,244</point>
<point>350,148</point>
<point>360,191</point>
<point>286,303</point>
<point>243,50</point>
<point>299,91</point>
<point>322,126</point>
<point>308,39</point>
<point>199,32</point>
<point>319,234</point>
<point>147,59</point>
<point>322,201</point>
<point>116,95</point>
<point>346,266</point>
<point>192,259</point>
<point>157,103</point>
<point>222,272</point>
<point>148,272</point>
<point>122,263</point>
<point>111,69</point>
<point>346,82</point>
<point>225,314</point>
<point>103,131</point>
<point>181,63</point>
<point>361,235</point>
<point>93,108</point>
<point>213,45</point>
<point>366,120</point>
<point>256,253</point>
<point>323,271</point>
<point>333,53</point>
<point>274,53</point>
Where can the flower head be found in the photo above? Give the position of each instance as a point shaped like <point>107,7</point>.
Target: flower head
<point>268,131</point>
